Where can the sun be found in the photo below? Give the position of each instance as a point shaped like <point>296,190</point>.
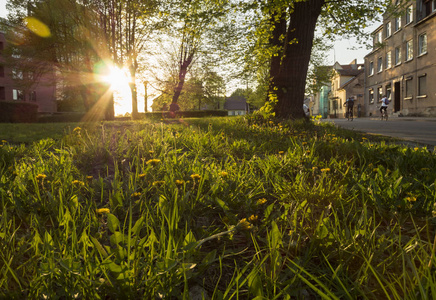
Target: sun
<point>119,83</point>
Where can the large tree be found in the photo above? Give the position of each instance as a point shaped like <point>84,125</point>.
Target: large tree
<point>287,30</point>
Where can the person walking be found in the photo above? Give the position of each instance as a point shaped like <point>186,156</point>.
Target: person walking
<point>350,105</point>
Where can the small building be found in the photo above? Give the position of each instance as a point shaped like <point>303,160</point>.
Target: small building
<point>347,81</point>
<point>236,106</point>
<point>402,62</point>
<point>19,85</point>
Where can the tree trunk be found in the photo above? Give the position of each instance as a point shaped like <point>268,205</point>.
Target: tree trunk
<point>288,76</point>
<point>182,75</point>
<point>145,97</point>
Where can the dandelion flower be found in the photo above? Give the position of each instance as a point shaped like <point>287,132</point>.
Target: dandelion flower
<point>77,129</point>
<point>224,174</point>
<point>4,141</point>
<point>41,176</point>
<point>416,148</point>
<point>244,225</point>
<point>102,211</point>
<point>195,176</point>
<point>142,175</point>
<point>180,182</point>
<point>253,218</point>
<point>156,183</point>
<point>281,152</point>
<point>78,182</point>
<point>153,161</point>
<point>411,199</point>
<point>137,194</point>
<point>261,201</point>
<point>325,170</point>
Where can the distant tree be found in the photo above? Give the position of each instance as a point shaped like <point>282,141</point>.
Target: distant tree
<point>193,20</point>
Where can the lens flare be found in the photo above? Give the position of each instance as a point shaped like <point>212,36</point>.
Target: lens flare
<point>37,27</point>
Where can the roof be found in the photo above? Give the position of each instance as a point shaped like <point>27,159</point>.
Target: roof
<point>235,103</point>
<point>348,70</point>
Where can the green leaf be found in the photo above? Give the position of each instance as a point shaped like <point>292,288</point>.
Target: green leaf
<point>255,283</point>
<point>112,223</point>
<point>99,247</point>
<point>117,238</point>
<point>137,227</point>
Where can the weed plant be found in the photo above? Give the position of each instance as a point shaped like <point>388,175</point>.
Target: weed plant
<point>223,208</point>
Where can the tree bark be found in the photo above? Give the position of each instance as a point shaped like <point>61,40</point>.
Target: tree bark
<point>288,71</point>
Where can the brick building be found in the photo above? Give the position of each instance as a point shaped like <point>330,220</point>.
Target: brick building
<point>402,64</point>
<point>19,85</point>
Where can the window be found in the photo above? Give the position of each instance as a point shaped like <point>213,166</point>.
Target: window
<point>379,93</point>
<point>422,85</point>
<point>2,93</point>
<point>422,44</point>
<point>433,5</point>
<point>16,74</point>
<point>409,50</point>
<point>17,95</point>
<point>397,23</point>
<point>388,29</point>
<point>371,68</point>
<point>389,60</point>
<point>379,64</point>
<point>389,92</point>
<point>409,88</point>
<point>371,96</point>
<point>409,14</point>
<point>378,38</point>
<point>397,56</point>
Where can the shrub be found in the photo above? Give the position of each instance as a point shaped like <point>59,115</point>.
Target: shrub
<point>18,112</point>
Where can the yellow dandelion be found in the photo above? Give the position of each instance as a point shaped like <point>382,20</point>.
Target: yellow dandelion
<point>102,211</point>
<point>195,176</point>
<point>314,168</point>
<point>142,175</point>
<point>411,199</point>
<point>153,161</point>
<point>304,143</point>
<point>325,170</point>
<point>253,218</point>
<point>261,201</point>
<point>78,182</point>
<point>243,225</point>
<point>281,152</point>
<point>224,174</point>
<point>77,129</point>
<point>180,182</point>
<point>4,141</point>
<point>151,152</point>
<point>137,194</point>
<point>416,148</point>
<point>41,176</point>
<point>156,183</point>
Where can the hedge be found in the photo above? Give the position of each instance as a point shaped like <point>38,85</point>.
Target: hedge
<point>183,114</point>
<point>18,112</point>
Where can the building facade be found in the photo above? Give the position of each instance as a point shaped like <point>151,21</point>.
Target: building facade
<point>402,65</point>
<point>18,85</point>
<point>347,81</point>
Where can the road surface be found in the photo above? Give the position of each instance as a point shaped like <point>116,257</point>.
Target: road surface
<point>414,130</point>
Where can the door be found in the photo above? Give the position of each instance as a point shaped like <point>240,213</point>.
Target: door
<point>397,96</point>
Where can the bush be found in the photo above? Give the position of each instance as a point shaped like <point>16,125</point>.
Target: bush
<point>184,114</point>
<point>18,112</point>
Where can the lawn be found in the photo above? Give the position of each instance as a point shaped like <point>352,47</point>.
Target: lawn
<point>219,208</point>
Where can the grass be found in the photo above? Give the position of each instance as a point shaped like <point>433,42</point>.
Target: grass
<point>227,208</point>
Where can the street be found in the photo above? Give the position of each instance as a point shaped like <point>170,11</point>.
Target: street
<point>419,130</point>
